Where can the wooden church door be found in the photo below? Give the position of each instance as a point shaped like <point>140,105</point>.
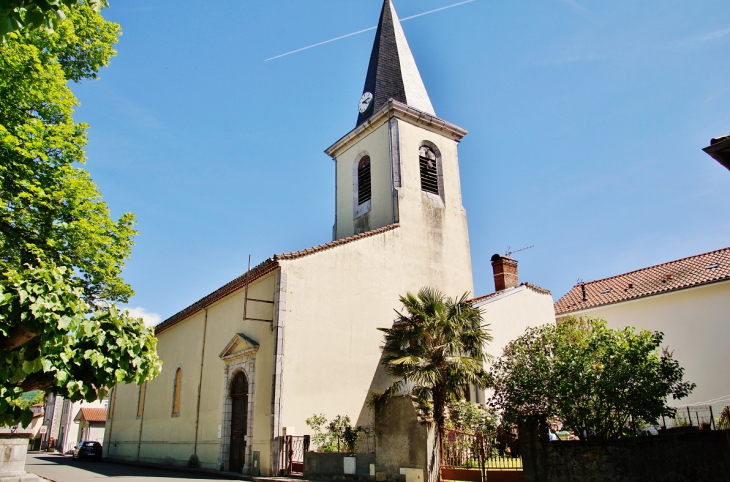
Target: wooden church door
<point>239,419</point>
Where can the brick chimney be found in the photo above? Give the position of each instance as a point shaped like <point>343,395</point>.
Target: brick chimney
<point>505,272</point>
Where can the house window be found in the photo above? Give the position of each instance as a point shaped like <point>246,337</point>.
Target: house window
<point>140,399</point>
<point>429,170</point>
<point>363,181</point>
<point>176,392</point>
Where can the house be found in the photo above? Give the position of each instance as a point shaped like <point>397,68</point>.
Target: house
<point>297,334</point>
<point>512,308</point>
<point>719,149</point>
<point>35,425</point>
<point>79,421</point>
<point>62,427</point>
<point>687,299</point>
<point>91,422</point>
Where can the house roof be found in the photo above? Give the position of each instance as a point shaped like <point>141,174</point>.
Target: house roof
<point>719,149</point>
<point>675,275</point>
<point>268,266</point>
<point>92,414</point>
<point>392,72</point>
<point>531,286</point>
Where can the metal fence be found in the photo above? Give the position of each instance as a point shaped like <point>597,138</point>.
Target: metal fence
<point>691,416</point>
<point>479,451</point>
<point>366,442</point>
<point>291,450</point>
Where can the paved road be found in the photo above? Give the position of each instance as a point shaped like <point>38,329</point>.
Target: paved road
<point>58,468</point>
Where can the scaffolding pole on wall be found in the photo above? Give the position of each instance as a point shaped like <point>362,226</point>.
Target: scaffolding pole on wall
<point>246,298</point>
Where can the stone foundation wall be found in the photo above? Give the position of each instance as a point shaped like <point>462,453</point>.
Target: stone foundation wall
<point>328,466</point>
<point>13,449</point>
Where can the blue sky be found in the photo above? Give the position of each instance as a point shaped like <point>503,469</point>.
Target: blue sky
<point>586,122</point>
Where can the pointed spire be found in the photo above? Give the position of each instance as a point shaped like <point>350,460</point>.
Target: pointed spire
<point>392,72</point>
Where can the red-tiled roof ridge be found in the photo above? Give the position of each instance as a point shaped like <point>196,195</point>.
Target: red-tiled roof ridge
<point>260,270</point>
<point>526,284</point>
<point>685,273</point>
<point>93,414</point>
<point>536,288</point>
<point>477,299</point>
<point>267,266</point>
<point>335,243</point>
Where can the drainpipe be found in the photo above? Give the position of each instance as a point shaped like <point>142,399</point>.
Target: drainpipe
<point>110,407</point>
<point>200,382</point>
<point>141,421</point>
<point>278,329</point>
<point>334,228</point>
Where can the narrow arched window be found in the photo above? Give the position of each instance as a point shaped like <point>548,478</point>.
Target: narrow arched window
<point>363,181</point>
<point>429,170</point>
<point>140,399</point>
<point>176,392</point>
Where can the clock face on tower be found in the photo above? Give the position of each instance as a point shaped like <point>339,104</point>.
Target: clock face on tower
<point>365,102</point>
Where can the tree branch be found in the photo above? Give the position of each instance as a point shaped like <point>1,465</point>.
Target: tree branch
<point>18,336</point>
<point>37,381</point>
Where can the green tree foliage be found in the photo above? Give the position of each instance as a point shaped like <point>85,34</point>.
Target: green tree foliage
<point>339,435</point>
<point>592,378</point>
<point>436,348</point>
<point>34,14</point>
<point>49,208</point>
<point>469,417</point>
<point>61,253</point>
<point>32,398</point>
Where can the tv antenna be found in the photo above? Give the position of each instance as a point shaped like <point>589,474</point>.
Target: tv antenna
<point>510,252</point>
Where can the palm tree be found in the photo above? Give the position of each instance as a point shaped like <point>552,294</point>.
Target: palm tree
<point>437,347</point>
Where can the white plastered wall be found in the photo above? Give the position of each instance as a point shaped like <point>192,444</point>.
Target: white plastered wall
<point>509,313</point>
<point>695,323</point>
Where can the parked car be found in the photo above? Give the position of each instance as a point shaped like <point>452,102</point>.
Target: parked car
<point>87,450</point>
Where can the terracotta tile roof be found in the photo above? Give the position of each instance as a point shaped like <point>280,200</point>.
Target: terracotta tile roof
<point>529,285</point>
<point>482,298</point>
<point>93,414</point>
<point>663,278</point>
<point>268,266</point>
<point>334,244</point>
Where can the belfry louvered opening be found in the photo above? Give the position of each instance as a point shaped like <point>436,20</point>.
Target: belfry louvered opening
<point>429,170</point>
<point>363,181</point>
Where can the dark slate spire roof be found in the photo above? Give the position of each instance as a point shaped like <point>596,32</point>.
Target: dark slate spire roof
<point>392,73</point>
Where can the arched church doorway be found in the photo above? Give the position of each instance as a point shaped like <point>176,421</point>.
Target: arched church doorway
<point>239,418</point>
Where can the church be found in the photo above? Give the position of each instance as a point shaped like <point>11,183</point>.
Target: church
<point>297,334</point>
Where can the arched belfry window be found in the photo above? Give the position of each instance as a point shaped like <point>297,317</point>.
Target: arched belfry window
<point>176,392</point>
<point>429,170</point>
<point>363,181</point>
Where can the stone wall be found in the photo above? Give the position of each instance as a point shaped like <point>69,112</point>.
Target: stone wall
<point>403,442</point>
<point>698,456</point>
<point>13,449</point>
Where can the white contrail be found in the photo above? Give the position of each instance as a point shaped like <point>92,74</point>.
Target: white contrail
<point>367,30</point>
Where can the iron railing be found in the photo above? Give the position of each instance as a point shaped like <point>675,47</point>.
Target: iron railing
<point>463,450</point>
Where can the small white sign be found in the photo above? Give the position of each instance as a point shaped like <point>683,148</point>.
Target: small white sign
<point>43,429</point>
<point>349,465</point>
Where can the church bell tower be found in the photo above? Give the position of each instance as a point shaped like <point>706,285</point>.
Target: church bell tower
<point>400,162</point>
